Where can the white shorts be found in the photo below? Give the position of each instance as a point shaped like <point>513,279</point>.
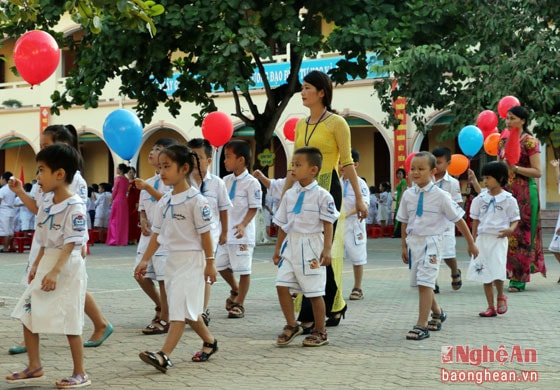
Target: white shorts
<point>156,265</point>
<point>237,257</point>
<point>449,243</point>
<point>355,241</point>
<point>424,258</point>
<point>7,226</point>
<point>491,262</point>
<point>300,268</point>
<point>101,221</point>
<point>184,284</point>
<point>555,243</point>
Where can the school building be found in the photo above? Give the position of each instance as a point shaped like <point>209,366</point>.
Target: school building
<point>382,149</point>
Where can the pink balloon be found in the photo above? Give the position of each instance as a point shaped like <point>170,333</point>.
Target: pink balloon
<point>36,56</point>
<point>217,128</point>
<point>408,161</point>
<point>505,104</point>
<point>486,121</point>
<point>290,129</point>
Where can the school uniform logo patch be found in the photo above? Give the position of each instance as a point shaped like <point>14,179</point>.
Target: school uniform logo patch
<point>331,207</point>
<point>79,222</point>
<point>258,194</point>
<point>206,212</point>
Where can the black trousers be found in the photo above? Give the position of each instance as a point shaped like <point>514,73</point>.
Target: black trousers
<point>306,312</point>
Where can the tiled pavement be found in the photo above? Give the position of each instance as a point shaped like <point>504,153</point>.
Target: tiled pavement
<point>367,351</point>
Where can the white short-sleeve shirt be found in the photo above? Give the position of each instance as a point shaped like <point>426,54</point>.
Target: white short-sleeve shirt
<point>494,213</point>
<point>350,196</point>
<point>248,195</point>
<point>438,208</point>
<point>318,205</point>
<point>7,199</point>
<point>216,193</point>
<point>276,187</point>
<point>180,219</point>
<point>61,223</point>
<point>146,202</point>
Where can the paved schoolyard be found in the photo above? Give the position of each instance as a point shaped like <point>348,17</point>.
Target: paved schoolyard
<point>367,351</point>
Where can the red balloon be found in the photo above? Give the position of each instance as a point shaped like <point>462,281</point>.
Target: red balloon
<point>458,164</point>
<point>486,134</point>
<point>217,128</point>
<point>36,56</point>
<point>486,121</point>
<point>512,148</point>
<point>505,104</point>
<point>408,161</point>
<point>290,129</point>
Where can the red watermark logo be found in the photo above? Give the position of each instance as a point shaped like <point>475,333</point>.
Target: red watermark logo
<point>476,356</point>
<point>464,354</point>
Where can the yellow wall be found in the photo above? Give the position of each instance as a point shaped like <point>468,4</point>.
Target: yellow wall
<point>362,141</point>
<point>7,50</point>
<point>20,156</point>
<point>550,180</point>
<point>96,162</point>
<point>143,168</point>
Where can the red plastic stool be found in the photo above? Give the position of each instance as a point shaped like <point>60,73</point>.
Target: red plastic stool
<point>388,231</point>
<point>374,232</point>
<point>21,243</point>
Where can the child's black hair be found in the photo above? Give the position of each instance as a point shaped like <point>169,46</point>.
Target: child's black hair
<point>105,187</point>
<point>6,175</point>
<point>65,134</point>
<point>181,154</point>
<point>165,142</point>
<point>89,191</point>
<point>27,187</point>
<point>95,187</point>
<point>442,151</point>
<point>201,143</point>
<point>61,156</point>
<point>498,170</point>
<point>373,190</point>
<point>386,186</point>
<point>355,155</point>
<point>241,149</point>
<point>431,158</point>
<point>313,155</point>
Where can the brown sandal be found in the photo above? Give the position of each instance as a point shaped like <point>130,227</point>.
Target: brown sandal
<point>236,311</point>
<point>356,294</point>
<point>316,339</point>
<point>158,327</point>
<point>229,302</point>
<point>285,338</point>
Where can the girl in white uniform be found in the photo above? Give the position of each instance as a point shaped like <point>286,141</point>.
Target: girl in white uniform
<point>182,223</point>
<point>54,299</point>
<point>554,246</point>
<point>495,215</point>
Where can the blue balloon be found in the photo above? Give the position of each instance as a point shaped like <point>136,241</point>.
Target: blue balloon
<point>470,140</point>
<point>122,131</point>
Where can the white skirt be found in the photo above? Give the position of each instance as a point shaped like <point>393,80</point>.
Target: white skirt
<point>555,243</point>
<point>60,311</point>
<point>490,264</point>
<point>184,284</point>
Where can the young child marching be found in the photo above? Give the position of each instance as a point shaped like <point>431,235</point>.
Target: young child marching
<point>305,219</point>
<point>495,215</point>
<point>423,212</point>
<point>54,299</point>
<point>214,189</point>
<point>182,224</point>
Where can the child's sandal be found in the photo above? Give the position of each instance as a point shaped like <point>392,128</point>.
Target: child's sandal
<point>155,329</point>
<point>74,381</point>
<point>202,356</point>
<point>288,334</point>
<point>152,359</point>
<point>236,311</point>
<point>229,302</point>
<point>437,319</point>
<point>503,306</point>
<point>418,333</point>
<point>316,339</point>
<point>356,294</point>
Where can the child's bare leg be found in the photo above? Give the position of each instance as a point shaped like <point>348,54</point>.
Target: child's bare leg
<point>206,296</point>
<point>426,301</point>
<point>202,331</point>
<point>149,287</point>
<point>32,344</point>
<point>229,277</point>
<point>286,304</point>
<point>456,281</point>
<point>77,350</point>
<point>164,315</point>
<point>176,330</point>
<point>244,283</point>
<point>94,313</point>
<point>499,284</point>
<point>319,312</point>
<point>358,276</point>
<point>489,292</point>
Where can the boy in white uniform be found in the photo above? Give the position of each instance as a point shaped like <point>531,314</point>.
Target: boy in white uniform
<point>151,191</point>
<point>423,212</point>
<point>355,237</point>
<point>214,189</point>
<point>7,211</point>
<point>237,254</point>
<point>55,297</point>
<point>451,185</point>
<point>306,213</point>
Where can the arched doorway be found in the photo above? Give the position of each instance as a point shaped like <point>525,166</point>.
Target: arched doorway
<point>18,157</point>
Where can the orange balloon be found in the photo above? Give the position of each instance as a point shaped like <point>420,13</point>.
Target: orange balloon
<point>459,164</point>
<point>491,144</point>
